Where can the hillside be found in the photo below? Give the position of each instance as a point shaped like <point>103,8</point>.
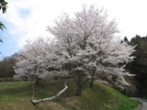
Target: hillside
<point>17,96</point>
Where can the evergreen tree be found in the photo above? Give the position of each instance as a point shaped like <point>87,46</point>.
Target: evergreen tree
<point>139,65</point>
<point>126,39</point>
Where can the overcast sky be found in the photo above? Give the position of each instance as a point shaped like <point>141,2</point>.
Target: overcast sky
<point>28,19</point>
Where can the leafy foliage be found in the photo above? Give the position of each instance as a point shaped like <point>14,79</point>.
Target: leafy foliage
<point>3,7</point>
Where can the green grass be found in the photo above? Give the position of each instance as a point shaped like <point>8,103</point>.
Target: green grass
<point>123,102</point>
<point>17,96</point>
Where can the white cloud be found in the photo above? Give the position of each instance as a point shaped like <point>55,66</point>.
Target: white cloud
<point>39,15</point>
<point>29,18</point>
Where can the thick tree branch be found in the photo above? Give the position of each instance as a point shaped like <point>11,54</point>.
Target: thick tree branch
<point>34,102</point>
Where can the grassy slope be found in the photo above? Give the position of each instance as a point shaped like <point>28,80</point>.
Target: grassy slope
<point>17,96</point>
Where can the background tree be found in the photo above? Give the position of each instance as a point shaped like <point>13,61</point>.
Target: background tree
<point>126,39</point>
<point>6,67</point>
<point>139,65</point>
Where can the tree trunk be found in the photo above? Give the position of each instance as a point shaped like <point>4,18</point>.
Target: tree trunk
<point>91,82</point>
<point>33,91</point>
<point>92,78</point>
<point>34,83</point>
<point>37,81</point>
<point>79,89</point>
<point>80,79</point>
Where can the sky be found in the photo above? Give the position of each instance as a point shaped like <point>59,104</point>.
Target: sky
<point>28,19</point>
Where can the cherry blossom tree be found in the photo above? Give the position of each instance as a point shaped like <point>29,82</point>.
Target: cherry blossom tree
<point>31,59</point>
<point>88,41</point>
<point>37,60</point>
<point>40,59</point>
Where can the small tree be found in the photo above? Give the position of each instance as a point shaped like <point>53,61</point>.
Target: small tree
<point>36,60</point>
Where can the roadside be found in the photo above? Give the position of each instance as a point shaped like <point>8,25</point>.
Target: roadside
<point>142,105</point>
